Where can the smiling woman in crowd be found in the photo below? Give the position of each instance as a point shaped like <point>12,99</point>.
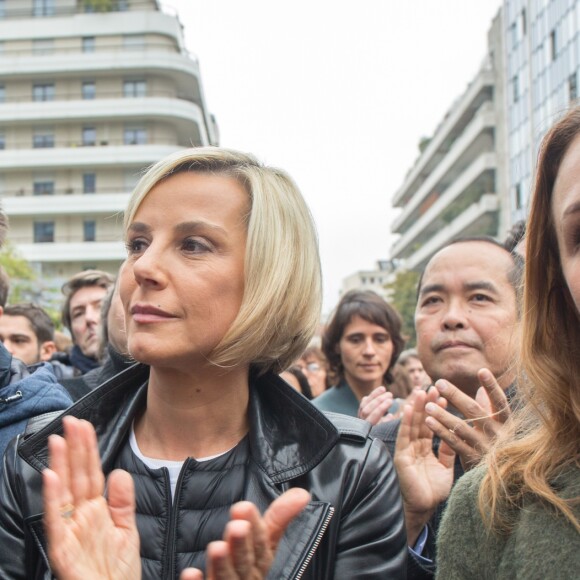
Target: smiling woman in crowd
<point>221,291</point>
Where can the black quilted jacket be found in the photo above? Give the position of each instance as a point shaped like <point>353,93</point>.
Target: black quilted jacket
<point>352,528</point>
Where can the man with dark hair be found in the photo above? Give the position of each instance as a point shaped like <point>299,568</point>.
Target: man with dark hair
<point>466,318</point>
<point>81,314</point>
<point>27,332</point>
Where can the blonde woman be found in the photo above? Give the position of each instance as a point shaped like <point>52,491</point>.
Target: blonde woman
<point>518,515</point>
<point>221,291</point>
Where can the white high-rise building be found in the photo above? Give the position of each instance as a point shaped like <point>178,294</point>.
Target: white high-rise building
<point>91,93</point>
<point>457,185</point>
<point>542,74</point>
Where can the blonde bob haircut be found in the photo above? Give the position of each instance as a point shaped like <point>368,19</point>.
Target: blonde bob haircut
<point>280,309</point>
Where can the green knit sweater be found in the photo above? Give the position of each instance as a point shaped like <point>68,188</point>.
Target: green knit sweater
<point>543,545</point>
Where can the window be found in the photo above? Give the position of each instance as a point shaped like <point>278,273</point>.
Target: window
<point>43,8</point>
<point>42,138</point>
<point>43,232</point>
<point>88,44</point>
<point>524,22</point>
<point>518,196</point>
<point>89,90</point>
<point>123,5</point>
<point>2,141</point>
<point>553,45</point>
<point>89,182</point>
<point>43,46</point>
<point>2,93</point>
<point>137,88</point>
<point>572,87</point>
<point>2,8</point>
<point>514,34</point>
<point>43,92</point>
<point>516,89</point>
<point>135,136</point>
<point>43,187</point>
<point>89,230</point>
<point>89,136</point>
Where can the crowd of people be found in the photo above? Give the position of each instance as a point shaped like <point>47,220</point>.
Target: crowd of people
<point>196,426</point>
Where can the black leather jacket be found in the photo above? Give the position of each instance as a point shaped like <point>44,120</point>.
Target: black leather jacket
<point>352,528</point>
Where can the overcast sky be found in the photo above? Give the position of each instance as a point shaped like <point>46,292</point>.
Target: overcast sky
<point>338,93</point>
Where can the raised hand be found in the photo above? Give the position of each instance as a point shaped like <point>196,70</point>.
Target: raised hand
<point>89,536</point>
<point>250,540</point>
<point>374,407</point>
<point>484,418</point>
<point>425,479</point>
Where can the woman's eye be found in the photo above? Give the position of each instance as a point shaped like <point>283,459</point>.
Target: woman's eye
<point>135,246</point>
<point>196,246</point>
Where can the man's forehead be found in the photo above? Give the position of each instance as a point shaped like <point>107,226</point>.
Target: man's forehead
<point>468,264</point>
<point>87,295</point>
<point>16,323</point>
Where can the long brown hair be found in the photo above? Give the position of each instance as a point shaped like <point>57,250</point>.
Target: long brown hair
<point>543,437</point>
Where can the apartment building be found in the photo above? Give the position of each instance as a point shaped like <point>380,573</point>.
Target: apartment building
<point>458,184</point>
<point>542,40</point>
<point>91,93</point>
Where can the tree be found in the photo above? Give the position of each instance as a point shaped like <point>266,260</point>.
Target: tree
<point>20,273</point>
<point>403,296</point>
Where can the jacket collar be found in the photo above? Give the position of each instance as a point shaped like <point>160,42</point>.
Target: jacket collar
<point>288,436</point>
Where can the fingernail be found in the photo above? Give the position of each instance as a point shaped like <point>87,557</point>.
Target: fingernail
<point>430,407</point>
<point>441,385</point>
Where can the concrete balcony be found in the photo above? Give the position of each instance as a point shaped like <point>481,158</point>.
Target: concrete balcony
<point>465,149</point>
<point>476,220</point>
<point>73,252</point>
<point>458,117</point>
<point>101,156</point>
<point>414,226</point>
<point>124,109</point>
<point>55,205</point>
<point>71,24</point>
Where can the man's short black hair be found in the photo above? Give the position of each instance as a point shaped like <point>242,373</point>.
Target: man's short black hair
<point>515,274</point>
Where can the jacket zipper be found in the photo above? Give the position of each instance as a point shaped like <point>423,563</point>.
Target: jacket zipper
<point>15,397</point>
<point>173,501</point>
<point>316,543</point>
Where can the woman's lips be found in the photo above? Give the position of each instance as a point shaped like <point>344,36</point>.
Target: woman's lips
<point>146,313</point>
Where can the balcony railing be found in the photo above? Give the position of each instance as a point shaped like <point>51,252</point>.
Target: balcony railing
<point>77,95</point>
<point>56,8</point>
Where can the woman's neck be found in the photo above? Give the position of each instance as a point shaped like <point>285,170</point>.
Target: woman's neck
<point>361,388</point>
<point>193,415</point>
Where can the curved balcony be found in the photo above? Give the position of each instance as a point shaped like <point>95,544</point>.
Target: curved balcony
<point>95,157</point>
<point>478,219</point>
<point>55,205</point>
<point>475,140</point>
<point>82,252</point>
<point>182,114</point>
<point>458,116</point>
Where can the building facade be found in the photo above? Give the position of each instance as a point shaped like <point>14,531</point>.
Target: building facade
<point>475,175</point>
<point>457,185</point>
<point>91,93</point>
<point>542,74</point>
<point>374,280</point>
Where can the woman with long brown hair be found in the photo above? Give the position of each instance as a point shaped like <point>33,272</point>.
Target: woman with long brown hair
<point>518,514</point>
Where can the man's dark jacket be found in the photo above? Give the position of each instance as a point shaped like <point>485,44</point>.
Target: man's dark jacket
<point>352,528</point>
